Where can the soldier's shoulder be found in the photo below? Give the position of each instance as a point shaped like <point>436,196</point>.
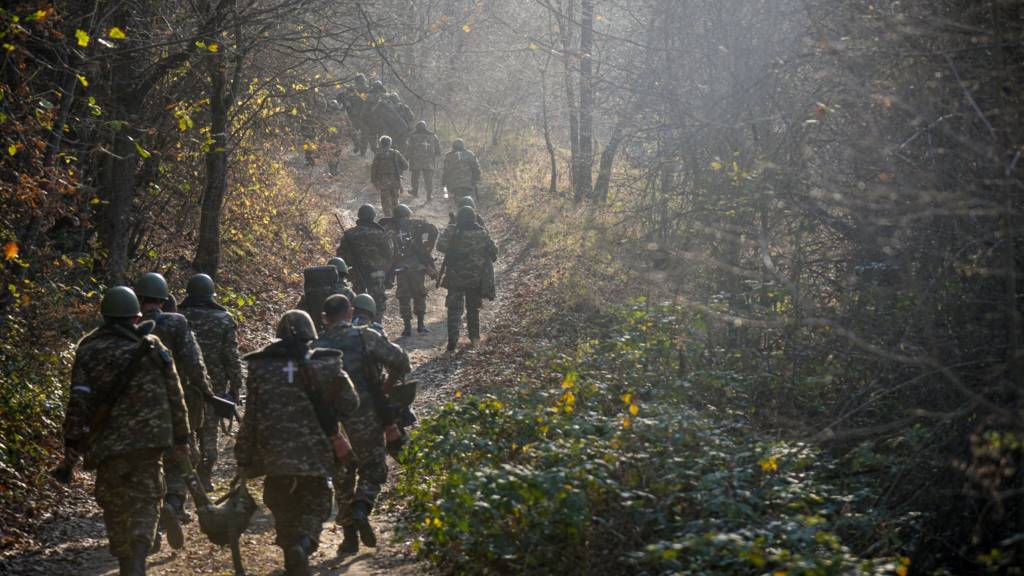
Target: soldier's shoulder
<point>325,354</point>
<point>173,319</point>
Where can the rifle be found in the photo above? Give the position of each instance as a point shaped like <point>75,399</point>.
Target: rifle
<point>65,473</point>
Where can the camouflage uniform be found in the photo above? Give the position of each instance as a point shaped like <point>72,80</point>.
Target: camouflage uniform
<point>357,109</point>
<point>413,241</point>
<point>365,351</point>
<point>423,148</point>
<point>467,251</point>
<point>461,174</point>
<point>284,435</point>
<point>145,421</point>
<point>386,175</point>
<point>174,331</point>
<point>216,333</point>
<point>367,250</point>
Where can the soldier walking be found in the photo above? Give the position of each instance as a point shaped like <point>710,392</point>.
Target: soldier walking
<point>174,332</point>
<point>461,174</point>
<point>424,149</point>
<point>216,333</point>
<point>297,394</point>
<point>468,250</point>
<point>124,372</point>
<point>413,242</point>
<point>367,249</point>
<point>386,174</point>
<point>369,430</point>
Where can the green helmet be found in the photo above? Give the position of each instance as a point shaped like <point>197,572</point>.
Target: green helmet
<point>467,201</point>
<point>296,325</point>
<point>367,212</point>
<point>394,98</point>
<point>458,144</point>
<point>365,302</point>
<point>377,85</point>
<point>385,141</point>
<point>466,216</point>
<point>401,211</point>
<point>120,302</point>
<point>421,126</point>
<point>339,264</point>
<point>200,287</point>
<point>152,285</point>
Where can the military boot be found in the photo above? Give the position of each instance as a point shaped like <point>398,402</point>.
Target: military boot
<point>421,326</point>
<point>204,478</point>
<point>361,516</point>
<point>137,566</point>
<point>407,330</point>
<point>170,524</point>
<point>124,566</point>
<point>296,557</point>
<point>350,541</point>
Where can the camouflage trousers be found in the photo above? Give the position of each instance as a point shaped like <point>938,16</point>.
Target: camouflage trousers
<point>130,490</point>
<point>457,301</point>
<point>458,193</point>
<point>412,293</point>
<point>376,289</point>
<point>361,480</point>
<point>300,505</point>
<point>389,199</point>
<point>208,446</point>
<point>428,181</point>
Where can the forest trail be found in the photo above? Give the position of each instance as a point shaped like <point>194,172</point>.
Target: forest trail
<point>71,539</point>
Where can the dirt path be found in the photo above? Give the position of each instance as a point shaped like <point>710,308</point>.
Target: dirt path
<point>71,538</point>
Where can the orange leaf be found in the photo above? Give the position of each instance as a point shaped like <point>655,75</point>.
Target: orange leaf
<point>11,250</point>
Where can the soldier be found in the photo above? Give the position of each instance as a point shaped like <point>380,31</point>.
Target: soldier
<point>353,100</point>
<point>365,352</point>
<point>403,110</point>
<point>365,247</point>
<point>466,201</point>
<point>122,371</point>
<point>413,241</point>
<point>316,286</point>
<point>467,248</point>
<point>343,287</point>
<point>386,174</point>
<point>216,333</point>
<point>423,148</point>
<point>175,333</point>
<point>289,434</point>
<point>461,173</point>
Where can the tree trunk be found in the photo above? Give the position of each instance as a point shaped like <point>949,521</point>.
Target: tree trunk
<point>585,166</point>
<point>207,259</point>
<point>553,186</point>
<point>568,51</point>
<point>118,181</point>
<point>604,171</point>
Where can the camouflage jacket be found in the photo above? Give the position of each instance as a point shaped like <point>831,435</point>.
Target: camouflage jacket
<point>290,411</point>
<point>216,333</point>
<point>150,413</point>
<point>467,252</point>
<point>175,333</point>
<point>386,170</point>
<point>413,241</point>
<point>423,149</point>
<point>365,247</point>
<point>461,170</point>
<point>364,347</point>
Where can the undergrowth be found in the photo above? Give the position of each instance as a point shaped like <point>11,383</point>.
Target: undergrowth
<point>601,462</point>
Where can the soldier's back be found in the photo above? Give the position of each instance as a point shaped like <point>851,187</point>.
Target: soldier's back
<point>140,417</point>
<point>368,246</point>
<point>467,255</point>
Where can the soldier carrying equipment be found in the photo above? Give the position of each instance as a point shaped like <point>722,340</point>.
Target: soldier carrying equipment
<point>461,174</point>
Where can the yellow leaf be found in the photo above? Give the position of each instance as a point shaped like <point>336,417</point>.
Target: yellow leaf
<point>533,46</point>
<point>466,28</point>
<point>12,149</point>
<point>902,571</point>
<point>570,380</point>
<point>716,165</point>
<point>458,393</point>
<point>83,37</point>
<point>8,47</point>
<point>85,83</point>
<point>634,409</point>
<point>37,15</point>
<point>769,464</point>
<point>627,422</point>
<point>735,166</point>
<point>116,33</point>
<point>213,47</point>
<point>11,250</point>
<point>627,398</point>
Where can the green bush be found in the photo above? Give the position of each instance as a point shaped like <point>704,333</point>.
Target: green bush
<point>601,464</point>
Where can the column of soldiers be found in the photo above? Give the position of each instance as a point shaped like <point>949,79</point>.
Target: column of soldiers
<point>325,400</point>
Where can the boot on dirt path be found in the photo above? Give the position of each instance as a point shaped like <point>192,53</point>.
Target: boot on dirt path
<point>361,515</point>
<point>171,525</point>
<point>421,326</point>
<point>350,540</point>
